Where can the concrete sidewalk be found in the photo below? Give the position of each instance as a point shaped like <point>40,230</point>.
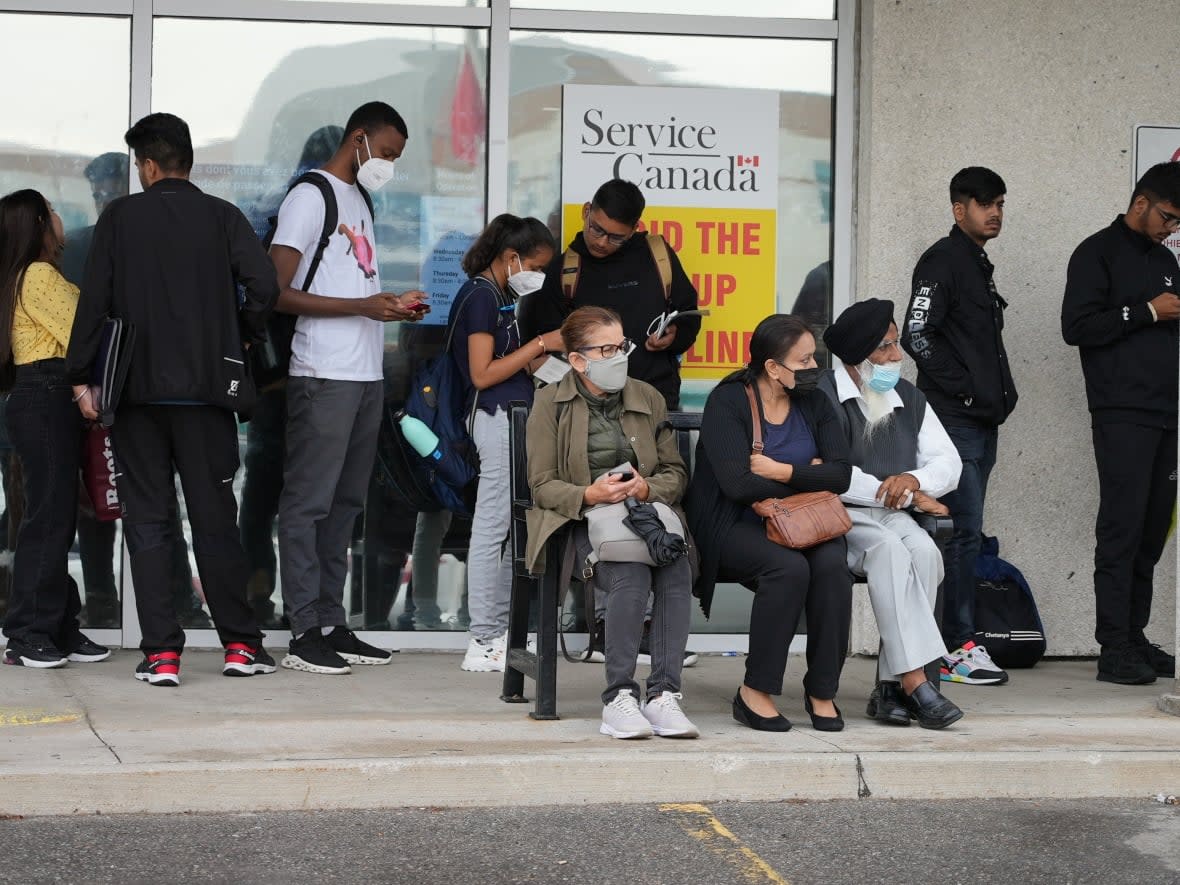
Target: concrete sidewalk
<point>420,732</point>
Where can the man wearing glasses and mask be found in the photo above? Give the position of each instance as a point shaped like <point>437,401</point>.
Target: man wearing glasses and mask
<point>611,264</point>
<point>1120,310</point>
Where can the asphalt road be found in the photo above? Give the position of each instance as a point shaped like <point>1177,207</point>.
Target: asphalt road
<point>859,843</point>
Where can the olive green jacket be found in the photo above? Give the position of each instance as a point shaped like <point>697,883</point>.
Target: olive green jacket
<point>559,470</point>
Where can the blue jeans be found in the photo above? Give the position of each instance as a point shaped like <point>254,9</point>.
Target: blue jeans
<point>977,447</point>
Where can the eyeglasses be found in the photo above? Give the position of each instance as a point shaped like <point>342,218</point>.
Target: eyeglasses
<point>1172,222</point>
<point>606,351</point>
<point>887,344</point>
<point>600,234</point>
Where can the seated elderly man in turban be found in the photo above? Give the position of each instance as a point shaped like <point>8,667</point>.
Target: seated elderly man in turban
<point>902,458</point>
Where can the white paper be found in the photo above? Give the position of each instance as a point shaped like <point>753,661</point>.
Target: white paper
<point>552,370</point>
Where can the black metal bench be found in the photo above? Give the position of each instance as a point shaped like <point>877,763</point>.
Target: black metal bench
<point>541,666</point>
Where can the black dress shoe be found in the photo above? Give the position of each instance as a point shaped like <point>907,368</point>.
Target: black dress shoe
<point>930,708</point>
<point>823,723</point>
<point>887,705</point>
<point>750,719</point>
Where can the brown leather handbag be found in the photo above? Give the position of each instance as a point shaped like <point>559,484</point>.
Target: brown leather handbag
<point>798,521</point>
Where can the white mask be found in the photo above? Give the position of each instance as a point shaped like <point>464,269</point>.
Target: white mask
<point>608,374</point>
<point>526,282</point>
<point>375,172</point>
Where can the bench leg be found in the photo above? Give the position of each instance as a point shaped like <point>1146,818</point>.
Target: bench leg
<point>518,629</point>
<point>547,614</point>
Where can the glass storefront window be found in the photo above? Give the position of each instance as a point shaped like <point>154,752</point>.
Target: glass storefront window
<point>255,126</point>
<point>814,9</point>
<point>63,136</point>
<point>802,73</point>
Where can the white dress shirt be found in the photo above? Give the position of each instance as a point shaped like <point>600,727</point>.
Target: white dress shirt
<point>939,464</point>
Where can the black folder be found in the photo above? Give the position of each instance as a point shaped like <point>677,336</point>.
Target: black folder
<point>109,372</point>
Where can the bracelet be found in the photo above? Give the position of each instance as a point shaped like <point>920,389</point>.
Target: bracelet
<point>85,391</point>
<point>541,341</point>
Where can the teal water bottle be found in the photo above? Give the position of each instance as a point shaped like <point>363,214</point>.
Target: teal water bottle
<point>419,436</point>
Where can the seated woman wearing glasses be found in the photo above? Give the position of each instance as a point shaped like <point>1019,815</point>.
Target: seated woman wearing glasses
<point>594,420</point>
<point>805,450</point>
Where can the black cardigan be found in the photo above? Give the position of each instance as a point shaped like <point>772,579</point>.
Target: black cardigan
<point>723,486</point>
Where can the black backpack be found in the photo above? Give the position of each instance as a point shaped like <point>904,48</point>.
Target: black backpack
<point>271,359</point>
<point>1006,616</point>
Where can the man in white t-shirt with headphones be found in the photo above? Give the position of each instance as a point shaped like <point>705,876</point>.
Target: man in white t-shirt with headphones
<point>334,393</point>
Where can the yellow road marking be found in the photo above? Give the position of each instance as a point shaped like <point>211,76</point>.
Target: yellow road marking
<point>10,716</point>
<point>700,823</point>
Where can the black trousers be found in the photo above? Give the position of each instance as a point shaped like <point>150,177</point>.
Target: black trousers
<point>201,442</point>
<point>786,583</point>
<point>1137,492</point>
<point>45,428</point>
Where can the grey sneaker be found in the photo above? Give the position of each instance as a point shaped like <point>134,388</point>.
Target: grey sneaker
<point>666,718</point>
<point>623,719</point>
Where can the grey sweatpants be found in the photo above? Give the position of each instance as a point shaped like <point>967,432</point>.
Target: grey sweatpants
<point>331,445</point>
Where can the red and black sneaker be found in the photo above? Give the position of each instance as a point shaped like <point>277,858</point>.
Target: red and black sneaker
<point>160,669</point>
<point>246,660</point>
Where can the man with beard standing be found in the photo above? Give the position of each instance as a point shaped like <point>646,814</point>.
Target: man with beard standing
<point>1120,310</point>
<point>901,458</point>
<point>954,331</point>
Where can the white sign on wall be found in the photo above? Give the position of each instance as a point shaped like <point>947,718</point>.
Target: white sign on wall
<point>1157,144</point>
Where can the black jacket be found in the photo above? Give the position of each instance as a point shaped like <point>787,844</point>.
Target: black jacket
<point>1129,360</point>
<point>953,329</point>
<point>628,282</point>
<point>169,262</point>
<point>723,485</point>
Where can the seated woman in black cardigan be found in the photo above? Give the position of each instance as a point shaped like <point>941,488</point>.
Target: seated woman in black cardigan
<point>804,451</point>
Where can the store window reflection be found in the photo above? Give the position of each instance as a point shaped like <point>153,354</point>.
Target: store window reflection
<point>801,71</point>
<point>63,136</point>
<point>255,127</point>
<point>814,9</point>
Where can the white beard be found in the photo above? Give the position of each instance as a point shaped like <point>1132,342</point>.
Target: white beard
<point>880,409</point>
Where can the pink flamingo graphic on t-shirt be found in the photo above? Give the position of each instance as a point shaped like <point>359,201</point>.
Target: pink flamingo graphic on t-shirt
<point>361,248</point>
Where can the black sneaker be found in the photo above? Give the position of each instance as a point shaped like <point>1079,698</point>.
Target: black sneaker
<point>87,651</point>
<point>346,644</point>
<point>40,654</point>
<point>243,659</point>
<point>1159,660</point>
<point>162,668</point>
<point>1125,665</point>
<point>312,654</point>
<point>644,656</point>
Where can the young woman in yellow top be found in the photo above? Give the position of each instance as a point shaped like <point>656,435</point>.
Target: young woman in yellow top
<point>36,313</point>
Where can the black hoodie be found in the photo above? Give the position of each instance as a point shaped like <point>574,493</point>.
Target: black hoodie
<point>953,329</point>
<point>628,282</point>
<point>1129,359</point>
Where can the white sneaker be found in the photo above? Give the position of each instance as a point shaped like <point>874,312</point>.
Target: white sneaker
<point>667,719</point>
<point>623,719</point>
<point>485,655</point>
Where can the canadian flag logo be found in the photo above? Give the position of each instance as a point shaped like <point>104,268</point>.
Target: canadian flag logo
<point>747,161</point>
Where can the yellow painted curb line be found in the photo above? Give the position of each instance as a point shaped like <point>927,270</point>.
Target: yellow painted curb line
<point>719,839</point>
<point>12,717</point>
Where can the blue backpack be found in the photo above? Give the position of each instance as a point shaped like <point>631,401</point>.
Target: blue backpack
<point>437,399</point>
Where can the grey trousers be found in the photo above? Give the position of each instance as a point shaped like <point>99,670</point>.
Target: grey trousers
<point>331,446</point>
<point>904,567</point>
<point>489,561</point>
<point>627,586</point>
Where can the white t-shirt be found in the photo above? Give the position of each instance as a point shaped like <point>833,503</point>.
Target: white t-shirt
<point>341,348</point>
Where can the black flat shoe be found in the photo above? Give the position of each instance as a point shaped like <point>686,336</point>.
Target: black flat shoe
<point>930,708</point>
<point>823,723</point>
<point>750,719</point>
<point>886,704</point>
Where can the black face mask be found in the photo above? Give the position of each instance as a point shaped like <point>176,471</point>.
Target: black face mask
<point>806,380</point>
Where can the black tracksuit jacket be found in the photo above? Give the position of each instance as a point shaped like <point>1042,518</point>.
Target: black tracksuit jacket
<point>1129,360</point>
<point>953,328</point>
<point>169,261</point>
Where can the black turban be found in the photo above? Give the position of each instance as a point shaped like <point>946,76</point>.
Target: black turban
<point>859,330</point>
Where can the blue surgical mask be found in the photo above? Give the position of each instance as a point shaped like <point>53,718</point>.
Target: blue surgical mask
<point>884,377</point>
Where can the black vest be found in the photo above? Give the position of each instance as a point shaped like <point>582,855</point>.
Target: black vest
<point>893,448</point>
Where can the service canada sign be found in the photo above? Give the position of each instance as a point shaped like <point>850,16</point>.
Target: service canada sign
<point>707,163</point>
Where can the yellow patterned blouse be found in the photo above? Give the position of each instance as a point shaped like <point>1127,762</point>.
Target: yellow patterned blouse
<point>44,315</point>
